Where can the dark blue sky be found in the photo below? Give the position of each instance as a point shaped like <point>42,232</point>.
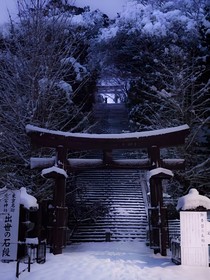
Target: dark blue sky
<point>110,7</point>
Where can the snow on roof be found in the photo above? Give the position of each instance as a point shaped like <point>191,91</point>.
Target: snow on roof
<point>44,162</point>
<point>160,170</point>
<point>32,128</point>
<point>173,160</point>
<point>77,162</point>
<point>54,169</point>
<point>133,161</point>
<point>193,200</point>
<point>27,200</point>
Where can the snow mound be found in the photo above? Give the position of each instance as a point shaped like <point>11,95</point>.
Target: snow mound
<point>27,200</point>
<point>193,200</point>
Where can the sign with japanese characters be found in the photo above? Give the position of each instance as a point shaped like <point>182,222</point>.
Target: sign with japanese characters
<point>9,220</point>
<point>194,238</point>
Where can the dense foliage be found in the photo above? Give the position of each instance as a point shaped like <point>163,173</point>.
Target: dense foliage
<point>162,49</point>
<point>52,56</point>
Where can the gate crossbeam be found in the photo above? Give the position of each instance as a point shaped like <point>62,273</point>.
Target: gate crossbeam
<point>162,138</point>
<point>153,141</point>
<point>75,164</point>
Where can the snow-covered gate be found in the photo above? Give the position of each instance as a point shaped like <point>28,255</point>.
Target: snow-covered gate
<point>58,166</point>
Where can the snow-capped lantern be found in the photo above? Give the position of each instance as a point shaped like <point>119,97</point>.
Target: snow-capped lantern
<point>193,201</point>
<point>28,201</point>
<point>194,228</point>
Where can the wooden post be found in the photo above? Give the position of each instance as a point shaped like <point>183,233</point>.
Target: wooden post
<point>107,156</point>
<point>59,229</point>
<point>158,217</point>
<point>162,217</point>
<point>163,231</point>
<point>158,213</point>
<point>154,155</point>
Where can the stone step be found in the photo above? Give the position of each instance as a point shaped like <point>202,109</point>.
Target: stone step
<point>134,233</point>
<point>113,235</point>
<point>120,192</point>
<point>109,199</point>
<point>103,239</point>
<point>110,221</point>
<point>101,224</point>
<point>111,229</point>
<point>174,228</point>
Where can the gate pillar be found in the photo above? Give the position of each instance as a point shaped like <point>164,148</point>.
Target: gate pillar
<point>158,213</point>
<point>59,222</point>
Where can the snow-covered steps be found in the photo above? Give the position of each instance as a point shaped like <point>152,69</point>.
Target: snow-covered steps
<point>112,118</point>
<point>118,196</point>
<point>174,228</point>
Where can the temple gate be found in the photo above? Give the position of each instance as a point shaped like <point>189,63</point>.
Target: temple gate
<point>160,169</point>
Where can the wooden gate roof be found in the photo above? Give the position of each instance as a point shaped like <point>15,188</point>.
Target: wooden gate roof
<point>167,137</point>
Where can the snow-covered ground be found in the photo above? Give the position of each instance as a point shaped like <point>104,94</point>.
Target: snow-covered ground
<point>107,261</point>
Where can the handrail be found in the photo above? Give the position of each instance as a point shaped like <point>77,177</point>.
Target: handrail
<point>145,195</point>
<point>35,252</point>
<point>18,272</point>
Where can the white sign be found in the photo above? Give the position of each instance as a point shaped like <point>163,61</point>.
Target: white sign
<point>194,238</point>
<point>208,233</point>
<point>9,221</point>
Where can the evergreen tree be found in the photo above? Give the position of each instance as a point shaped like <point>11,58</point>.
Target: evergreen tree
<point>159,48</point>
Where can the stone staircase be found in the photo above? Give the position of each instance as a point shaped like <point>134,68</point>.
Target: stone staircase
<point>112,118</point>
<point>119,193</point>
<point>174,228</point>
<point>115,198</point>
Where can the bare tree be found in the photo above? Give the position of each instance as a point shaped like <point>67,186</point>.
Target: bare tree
<point>41,72</point>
